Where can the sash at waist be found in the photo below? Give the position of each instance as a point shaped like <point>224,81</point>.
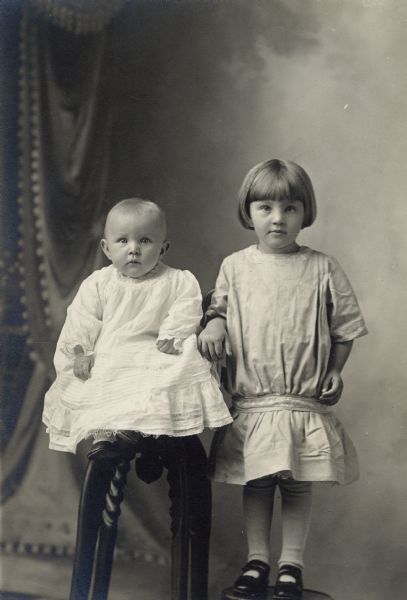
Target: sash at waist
<point>270,402</point>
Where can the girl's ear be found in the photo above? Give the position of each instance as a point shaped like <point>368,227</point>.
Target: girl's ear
<point>164,248</point>
<point>105,248</point>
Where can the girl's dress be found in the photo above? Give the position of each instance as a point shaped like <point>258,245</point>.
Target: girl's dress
<point>282,312</point>
<point>132,385</point>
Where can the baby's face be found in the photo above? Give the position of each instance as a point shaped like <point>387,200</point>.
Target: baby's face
<point>134,242</point>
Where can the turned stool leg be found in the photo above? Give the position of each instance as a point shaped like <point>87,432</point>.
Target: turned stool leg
<point>172,452</point>
<point>200,510</point>
<point>108,532</point>
<point>191,509</point>
<point>94,488</point>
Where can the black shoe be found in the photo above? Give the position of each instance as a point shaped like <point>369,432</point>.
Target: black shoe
<point>288,590</point>
<point>104,450</point>
<point>248,587</point>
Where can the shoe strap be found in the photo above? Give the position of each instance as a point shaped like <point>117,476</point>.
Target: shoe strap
<point>257,565</point>
<point>290,570</point>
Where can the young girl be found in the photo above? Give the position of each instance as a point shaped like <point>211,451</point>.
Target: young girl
<point>127,358</point>
<point>289,315</point>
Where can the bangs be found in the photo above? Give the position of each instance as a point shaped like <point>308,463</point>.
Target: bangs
<point>275,186</point>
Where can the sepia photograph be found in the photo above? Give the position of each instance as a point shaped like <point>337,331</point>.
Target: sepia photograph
<point>203,271</point>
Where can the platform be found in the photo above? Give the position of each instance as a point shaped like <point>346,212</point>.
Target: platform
<point>228,594</point>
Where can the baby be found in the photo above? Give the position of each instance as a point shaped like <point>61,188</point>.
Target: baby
<point>127,359</point>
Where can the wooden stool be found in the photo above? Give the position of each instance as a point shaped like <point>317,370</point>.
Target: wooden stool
<point>190,512</point>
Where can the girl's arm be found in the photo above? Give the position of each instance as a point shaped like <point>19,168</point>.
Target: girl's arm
<point>211,339</point>
<point>332,384</point>
<point>346,324</point>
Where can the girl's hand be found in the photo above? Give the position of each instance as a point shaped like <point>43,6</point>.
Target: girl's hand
<point>82,366</point>
<point>167,346</point>
<point>211,340</point>
<point>332,387</point>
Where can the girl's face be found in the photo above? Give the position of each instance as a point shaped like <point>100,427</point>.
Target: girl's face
<point>277,224</point>
<point>134,242</point>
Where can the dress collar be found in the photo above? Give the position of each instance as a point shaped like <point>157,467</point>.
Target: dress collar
<point>155,273</point>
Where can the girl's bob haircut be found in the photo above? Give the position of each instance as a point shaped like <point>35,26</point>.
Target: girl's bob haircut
<point>276,180</point>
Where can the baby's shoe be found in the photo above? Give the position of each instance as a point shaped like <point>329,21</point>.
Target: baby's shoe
<point>131,437</point>
<point>290,588</point>
<point>149,466</point>
<point>104,450</point>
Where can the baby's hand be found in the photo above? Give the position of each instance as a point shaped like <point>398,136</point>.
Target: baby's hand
<point>211,343</point>
<point>82,366</point>
<point>332,387</point>
<point>167,346</point>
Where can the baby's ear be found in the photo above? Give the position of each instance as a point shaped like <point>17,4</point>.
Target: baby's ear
<point>164,248</point>
<point>105,248</point>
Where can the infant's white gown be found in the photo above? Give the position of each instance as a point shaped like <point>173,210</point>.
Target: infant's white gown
<point>133,386</point>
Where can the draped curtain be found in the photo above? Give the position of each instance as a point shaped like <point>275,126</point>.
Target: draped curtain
<point>63,139</point>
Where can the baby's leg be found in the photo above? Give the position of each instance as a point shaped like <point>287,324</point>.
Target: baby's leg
<point>296,500</point>
<point>258,501</point>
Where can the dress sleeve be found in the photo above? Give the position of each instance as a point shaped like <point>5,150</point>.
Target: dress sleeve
<point>345,317</point>
<point>83,323</point>
<point>219,302</point>
<point>185,314</point>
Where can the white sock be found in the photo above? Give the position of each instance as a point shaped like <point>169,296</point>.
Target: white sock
<point>258,512</point>
<point>296,502</point>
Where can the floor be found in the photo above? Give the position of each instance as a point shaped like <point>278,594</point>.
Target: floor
<point>39,579</point>
<point>24,578</point>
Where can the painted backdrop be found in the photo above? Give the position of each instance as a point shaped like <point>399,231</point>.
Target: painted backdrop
<point>200,91</point>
